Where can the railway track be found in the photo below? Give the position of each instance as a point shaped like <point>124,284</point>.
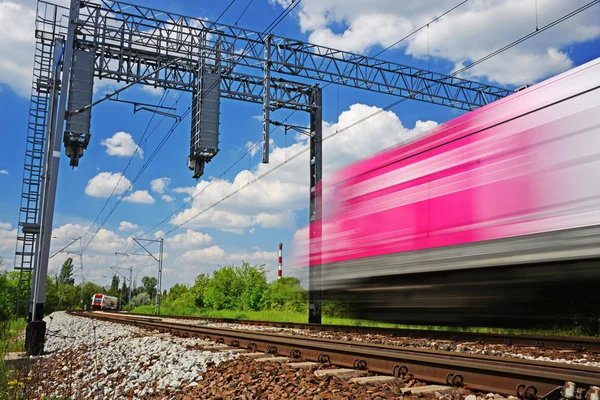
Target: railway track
<point>541,341</point>
<point>523,378</point>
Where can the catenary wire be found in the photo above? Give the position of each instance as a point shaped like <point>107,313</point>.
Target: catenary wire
<point>355,123</point>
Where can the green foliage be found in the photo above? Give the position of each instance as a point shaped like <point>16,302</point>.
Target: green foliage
<point>8,294</point>
<point>141,299</point>
<point>234,288</point>
<point>197,291</point>
<point>66,273</point>
<point>150,284</point>
<point>178,296</point>
<point>254,285</point>
<point>286,294</point>
<point>223,290</point>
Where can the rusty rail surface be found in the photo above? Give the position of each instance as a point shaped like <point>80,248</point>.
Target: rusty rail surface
<point>525,340</point>
<point>524,378</point>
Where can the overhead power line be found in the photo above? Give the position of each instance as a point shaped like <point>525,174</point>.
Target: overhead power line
<point>292,113</point>
<point>161,144</point>
<point>268,30</point>
<point>390,106</point>
<point>421,28</point>
<point>243,12</point>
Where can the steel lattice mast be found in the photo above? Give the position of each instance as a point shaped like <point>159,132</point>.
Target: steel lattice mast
<point>134,44</point>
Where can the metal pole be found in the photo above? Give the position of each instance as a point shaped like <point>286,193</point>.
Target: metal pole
<point>36,329</point>
<point>316,161</point>
<point>267,100</point>
<point>81,266</point>
<point>160,262</point>
<point>130,284</point>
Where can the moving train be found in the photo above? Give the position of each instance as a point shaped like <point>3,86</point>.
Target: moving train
<point>103,302</point>
<point>491,219</point>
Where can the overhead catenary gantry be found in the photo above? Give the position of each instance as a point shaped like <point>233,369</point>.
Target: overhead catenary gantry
<point>134,44</point>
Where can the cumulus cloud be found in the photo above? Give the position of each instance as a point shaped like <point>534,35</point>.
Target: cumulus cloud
<point>105,241</point>
<point>121,144</point>
<point>189,190</point>
<point>159,185</point>
<point>17,43</point>
<point>216,255</point>
<point>8,239</point>
<point>190,238</point>
<point>127,226</point>
<point>141,197</point>
<point>271,201</point>
<point>103,184</point>
<point>167,198</point>
<point>3,172</point>
<point>468,33</point>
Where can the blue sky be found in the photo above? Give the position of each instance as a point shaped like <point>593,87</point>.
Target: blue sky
<point>249,225</point>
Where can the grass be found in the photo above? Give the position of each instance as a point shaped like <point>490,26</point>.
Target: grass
<point>290,316</point>
<point>10,341</point>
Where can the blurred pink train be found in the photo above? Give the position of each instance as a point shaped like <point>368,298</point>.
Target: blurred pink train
<point>492,218</point>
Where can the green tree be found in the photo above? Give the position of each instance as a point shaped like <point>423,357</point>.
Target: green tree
<point>141,299</point>
<point>114,283</point>
<point>197,291</point>
<point>223,290</point>
<point>113,289</point>
<point>8,293</point>
<point>150,284</point>
<point>286,294</point>
<point>254,286</point>
<point>66,273</point>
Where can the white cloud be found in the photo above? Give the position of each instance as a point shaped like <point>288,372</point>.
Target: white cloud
<point>17,45</point>
<point>189,190</point>
<point>121,144</point>
<point>211,255</point>
<point>253,148</point>
<point>159,185</point>
<point>167,198</point>
<point>103,184</point>
<point>216,255</point>
<point>105,241</point>
<point>470,32</point>
<point>8,239</point>
<point>127,226</point>
<point>152,90</point>
<point>3,172</point>
<point>188,239</point>
<point>271,201</point>
<point>141,197</point>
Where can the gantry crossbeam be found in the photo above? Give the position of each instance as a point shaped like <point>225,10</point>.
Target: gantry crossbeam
<point>122,33</point>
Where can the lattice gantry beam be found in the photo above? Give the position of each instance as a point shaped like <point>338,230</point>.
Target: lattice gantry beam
<point>121,32</point>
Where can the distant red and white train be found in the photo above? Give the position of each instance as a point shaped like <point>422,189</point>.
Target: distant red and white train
<point>103,302</point>
<point>493,217</point>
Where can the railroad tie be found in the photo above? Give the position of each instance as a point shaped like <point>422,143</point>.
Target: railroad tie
<point>343,373</point>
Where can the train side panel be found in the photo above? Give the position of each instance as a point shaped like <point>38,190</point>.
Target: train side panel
<point>530,174</point>
<point>494,212</point>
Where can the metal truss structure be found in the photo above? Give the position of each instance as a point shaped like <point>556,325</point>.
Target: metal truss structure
<point>130,40</point>
<point>135,44</point>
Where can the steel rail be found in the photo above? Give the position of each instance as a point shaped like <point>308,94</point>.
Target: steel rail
<point>519,340</point>
<point>472,371</point>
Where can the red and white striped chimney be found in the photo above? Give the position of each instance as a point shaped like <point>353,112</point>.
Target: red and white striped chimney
<point>280,270</point>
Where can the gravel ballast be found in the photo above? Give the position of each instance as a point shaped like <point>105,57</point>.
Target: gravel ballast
<point>94,359</point>
<point>498,350</point>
